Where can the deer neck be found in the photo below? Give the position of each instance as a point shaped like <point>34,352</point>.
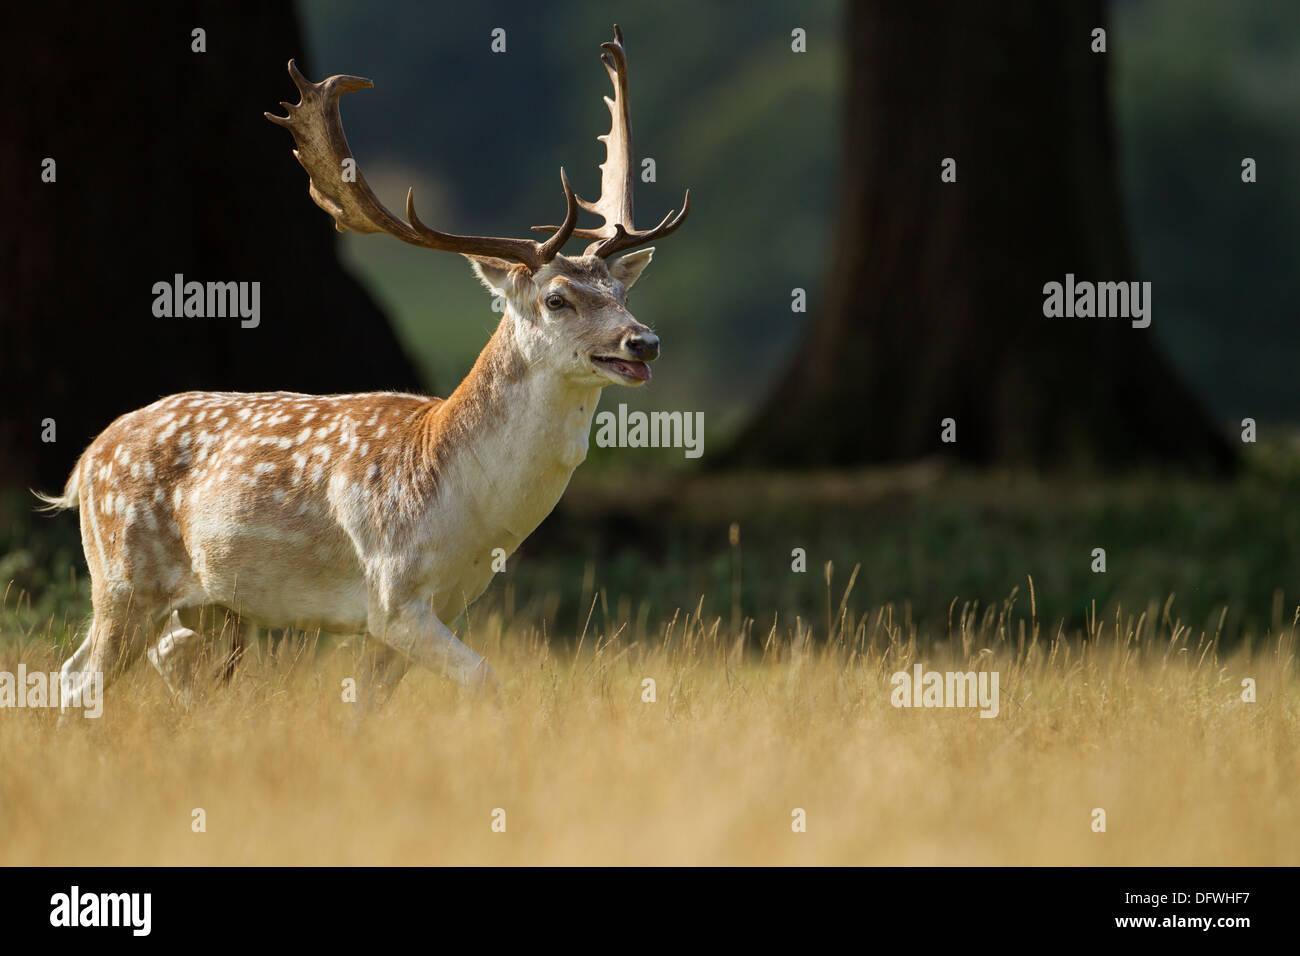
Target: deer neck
<point>507,440</point>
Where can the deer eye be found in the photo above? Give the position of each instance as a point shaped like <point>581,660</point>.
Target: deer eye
<point>554,302</point>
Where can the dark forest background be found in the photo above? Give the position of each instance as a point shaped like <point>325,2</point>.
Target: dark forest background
<point>816,170</point>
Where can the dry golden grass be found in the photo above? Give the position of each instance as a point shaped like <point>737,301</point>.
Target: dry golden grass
<point>1139,718</point>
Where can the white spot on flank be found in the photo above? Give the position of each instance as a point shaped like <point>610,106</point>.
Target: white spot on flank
<point>148,470</point>
<point>263,468</point>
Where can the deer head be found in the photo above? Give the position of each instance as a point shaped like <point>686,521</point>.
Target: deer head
<point>565,313</point>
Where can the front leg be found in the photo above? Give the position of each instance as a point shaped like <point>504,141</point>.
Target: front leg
<point>414,631</point>
<point>174,657</point>
<point>383,669</point>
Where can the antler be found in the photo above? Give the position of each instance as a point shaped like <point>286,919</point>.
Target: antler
<point>317,130</point>
<point>615,204</point>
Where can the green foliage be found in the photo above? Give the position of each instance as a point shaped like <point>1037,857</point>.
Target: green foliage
<point>922,539</point>
<point>43,579</point>
<point>1199,86</point>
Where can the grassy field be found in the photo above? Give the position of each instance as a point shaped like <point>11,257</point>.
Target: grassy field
<point>1137,718</point>
<point>772,693</point>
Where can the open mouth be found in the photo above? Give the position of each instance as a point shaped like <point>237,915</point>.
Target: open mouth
<point>628,369</point>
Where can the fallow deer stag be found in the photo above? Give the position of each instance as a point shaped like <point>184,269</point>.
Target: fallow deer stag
<point>375,513</point>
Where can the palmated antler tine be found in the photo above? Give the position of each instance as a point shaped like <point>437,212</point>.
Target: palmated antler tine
<point>618,232</point>
<point>317,130</point>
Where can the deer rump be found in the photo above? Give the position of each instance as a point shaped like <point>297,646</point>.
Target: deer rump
<point>256,502</point>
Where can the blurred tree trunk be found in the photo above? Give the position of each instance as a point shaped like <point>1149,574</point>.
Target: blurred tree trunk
<point>165,165</point>
<point>934,297</point>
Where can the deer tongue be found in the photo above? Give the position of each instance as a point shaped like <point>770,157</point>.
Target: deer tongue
<point>631,369</point>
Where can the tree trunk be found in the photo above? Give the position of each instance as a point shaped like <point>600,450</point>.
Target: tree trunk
<point>934,298</point>
<point>165,165</point>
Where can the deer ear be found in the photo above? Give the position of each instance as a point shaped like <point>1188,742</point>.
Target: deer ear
<point>499,276</point>
<point>629,268</point>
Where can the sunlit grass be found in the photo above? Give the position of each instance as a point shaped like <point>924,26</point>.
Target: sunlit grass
<point>1139,716</point>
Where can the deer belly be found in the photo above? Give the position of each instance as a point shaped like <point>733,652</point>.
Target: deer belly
<point>280,577</point>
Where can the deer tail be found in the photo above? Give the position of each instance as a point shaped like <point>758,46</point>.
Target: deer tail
<point>68,500</point>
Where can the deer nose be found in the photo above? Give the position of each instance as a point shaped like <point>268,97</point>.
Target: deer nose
<point>644,345</point>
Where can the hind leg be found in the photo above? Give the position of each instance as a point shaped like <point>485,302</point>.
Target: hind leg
<point>74,665</point>
<point>77,662</point>
<point>117,635</point>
